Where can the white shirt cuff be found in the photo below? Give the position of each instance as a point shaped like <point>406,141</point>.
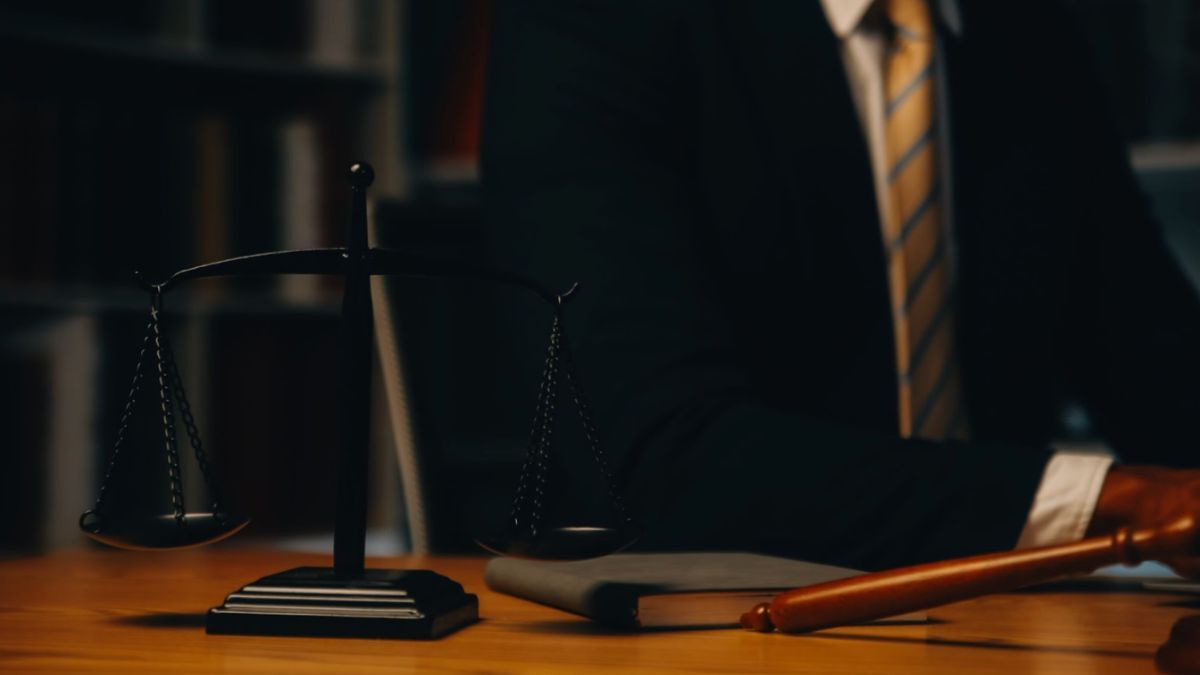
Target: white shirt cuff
<point>1065,500</point>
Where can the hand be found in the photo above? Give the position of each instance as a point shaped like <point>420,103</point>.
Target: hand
<point>1145,496</point>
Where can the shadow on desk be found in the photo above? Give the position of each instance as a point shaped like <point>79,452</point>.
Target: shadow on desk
<point>980,644</point>
<point>585,628</point>
<point>574,627</point>
<point>571,627</point>
<point>163,620</point>
<point>1188,603</point>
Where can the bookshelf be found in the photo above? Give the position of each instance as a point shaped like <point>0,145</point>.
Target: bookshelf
<point>155,136</point>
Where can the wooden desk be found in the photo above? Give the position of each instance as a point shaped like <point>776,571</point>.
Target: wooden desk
<point>144,612</point>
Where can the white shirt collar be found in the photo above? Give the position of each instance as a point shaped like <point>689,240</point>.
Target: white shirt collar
<point>845,15</point>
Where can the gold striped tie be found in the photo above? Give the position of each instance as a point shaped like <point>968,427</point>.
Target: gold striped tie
<point>918,265</point>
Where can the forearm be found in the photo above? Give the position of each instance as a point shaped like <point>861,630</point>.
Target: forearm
<point>776,481</point>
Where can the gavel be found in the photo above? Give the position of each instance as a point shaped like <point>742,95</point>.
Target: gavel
<point>908,589</point>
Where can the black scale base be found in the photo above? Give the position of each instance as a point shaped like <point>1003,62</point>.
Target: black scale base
<point>375,603</point>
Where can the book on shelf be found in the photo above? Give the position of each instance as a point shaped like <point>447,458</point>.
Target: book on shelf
<point>299,201</point>
<point>49,367</point>
<point>334,32</point>
<point>278,26</point>
<point>211,193</point>
<point>25,417</point>
<point>29,177</point>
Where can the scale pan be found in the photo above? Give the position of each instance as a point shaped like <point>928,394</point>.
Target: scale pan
<point>573,542</point>
<point>147,533</point>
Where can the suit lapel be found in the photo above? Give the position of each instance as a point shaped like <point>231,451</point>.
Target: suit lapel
<point>790,59</point>
<point>974,145</point>
<point>796,82</point>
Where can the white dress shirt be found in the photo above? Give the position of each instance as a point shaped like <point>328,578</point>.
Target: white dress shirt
<point>1071,482</point>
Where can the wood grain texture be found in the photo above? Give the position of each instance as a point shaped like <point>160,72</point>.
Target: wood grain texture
<point>117,611</point>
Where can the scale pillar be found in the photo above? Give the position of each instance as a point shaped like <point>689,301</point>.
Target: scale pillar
<point>349,600</point>
<point>354,392</point>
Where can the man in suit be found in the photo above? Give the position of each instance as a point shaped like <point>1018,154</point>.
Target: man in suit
<point>843,264</point>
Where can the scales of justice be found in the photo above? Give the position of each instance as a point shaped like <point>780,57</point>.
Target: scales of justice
<point>349,599</point>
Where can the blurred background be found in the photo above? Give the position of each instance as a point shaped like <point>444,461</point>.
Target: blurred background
<point>156,135</point>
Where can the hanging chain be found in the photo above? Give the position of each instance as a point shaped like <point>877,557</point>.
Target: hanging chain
<point>167,409</point>
<point>531,486</point>
<point>170,394</point>
<point>185,411</point>
<point>575,389</point>
<point>126,415</point>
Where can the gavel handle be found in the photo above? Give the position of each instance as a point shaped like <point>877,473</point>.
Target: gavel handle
<point>909,589</point>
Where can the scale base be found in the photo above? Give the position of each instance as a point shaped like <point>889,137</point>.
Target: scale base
<point>319,602</point>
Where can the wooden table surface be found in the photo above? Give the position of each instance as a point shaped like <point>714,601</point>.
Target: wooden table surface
<point>144,612</point>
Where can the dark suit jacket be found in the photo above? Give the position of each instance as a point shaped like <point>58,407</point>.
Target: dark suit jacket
<point>699,168</point>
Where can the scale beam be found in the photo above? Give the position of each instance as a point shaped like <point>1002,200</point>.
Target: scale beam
<point>335,262</point>
<point>309,261</point>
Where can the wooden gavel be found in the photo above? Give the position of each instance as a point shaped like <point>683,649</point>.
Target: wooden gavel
<point>909,589</point>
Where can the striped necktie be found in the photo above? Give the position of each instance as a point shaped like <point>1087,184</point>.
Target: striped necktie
<point>919,269</point>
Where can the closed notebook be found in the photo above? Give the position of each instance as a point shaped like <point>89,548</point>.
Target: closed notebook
<point>660,590</point>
